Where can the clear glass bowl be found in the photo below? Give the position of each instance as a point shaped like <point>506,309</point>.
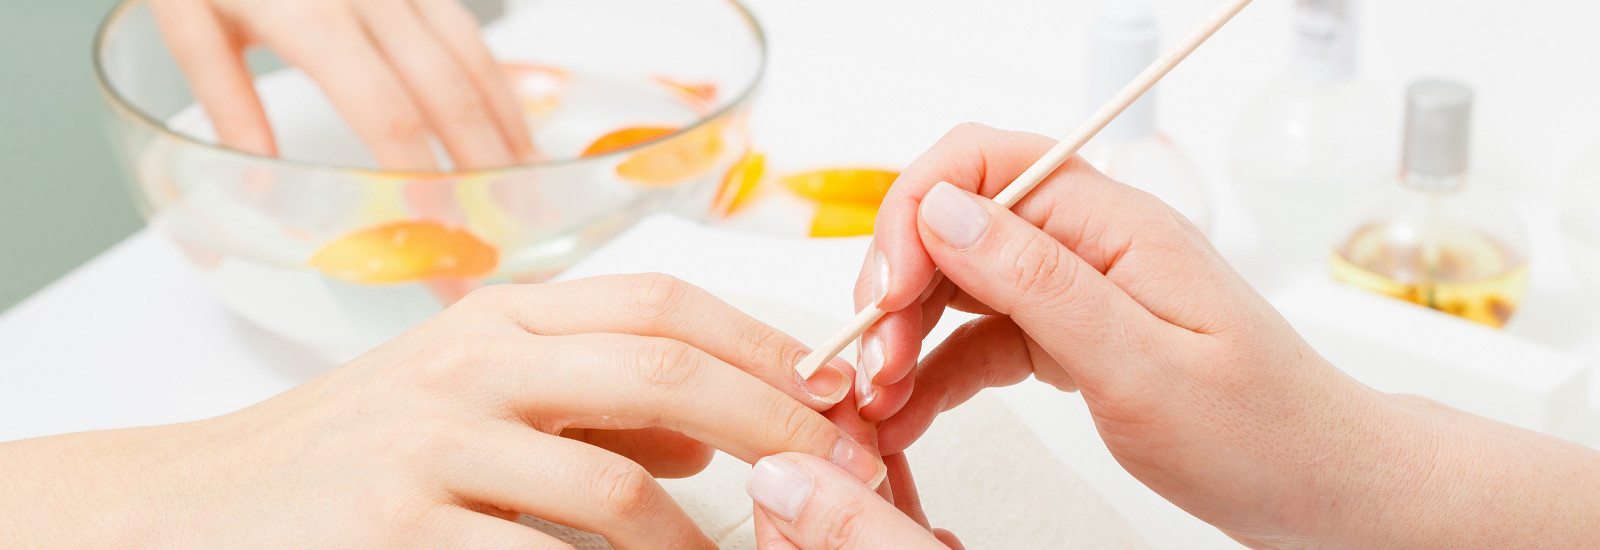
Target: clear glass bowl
<point>321,247</point>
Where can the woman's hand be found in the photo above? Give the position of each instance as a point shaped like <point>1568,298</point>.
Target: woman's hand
<point>1197,386</point>
<point>556,400</point>
<point>398,70</point>
<point>808,504</point>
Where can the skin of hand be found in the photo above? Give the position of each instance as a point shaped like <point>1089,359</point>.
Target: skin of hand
<point>803,503</point>
<point>399,71</point>
<point>556,400</point>
<point>1197,386</point>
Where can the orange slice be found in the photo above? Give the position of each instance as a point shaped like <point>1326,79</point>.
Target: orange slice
<point>698,94</point>
<point>843,220</point>
<point>625,138</point>
<point>861,186</point>
<point>406,251</point>
<point>740,185</point>
<point>677,159</point>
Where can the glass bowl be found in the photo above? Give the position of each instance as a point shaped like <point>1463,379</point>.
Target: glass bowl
<point>639,105</point>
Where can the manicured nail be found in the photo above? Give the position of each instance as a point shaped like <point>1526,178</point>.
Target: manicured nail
<point>780,486</point>
<point>867,467</point>
<point>880,278</point>
<point>829,384</point>
<point>954,217</point>
<point>868,363</point>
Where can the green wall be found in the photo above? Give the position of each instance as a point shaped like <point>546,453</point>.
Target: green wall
<point>61,191</point>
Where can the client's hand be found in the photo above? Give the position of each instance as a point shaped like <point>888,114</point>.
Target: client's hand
<point>399,71</point>
<point>1198,387</point>
<point>556,400</point>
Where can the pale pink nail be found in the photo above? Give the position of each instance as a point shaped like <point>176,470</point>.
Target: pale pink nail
<point>780,486</point>
<point>954,216</point>
<point>880,278</point>
<point>868,363</point>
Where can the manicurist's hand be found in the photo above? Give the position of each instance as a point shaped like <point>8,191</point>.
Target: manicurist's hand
<point>1198,387</point>
<point>558,400</point>
<point>399,71</point>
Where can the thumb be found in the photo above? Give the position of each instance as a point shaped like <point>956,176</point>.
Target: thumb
<point>1075,314</point>
<point>817,506</point>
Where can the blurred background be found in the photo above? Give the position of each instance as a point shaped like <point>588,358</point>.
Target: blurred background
<point>61,195</point>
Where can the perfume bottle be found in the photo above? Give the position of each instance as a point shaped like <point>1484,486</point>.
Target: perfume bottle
<point>1434,238</point>
<point>1313,141</point>
<point>1124,40</point>
<point>1580,218</point>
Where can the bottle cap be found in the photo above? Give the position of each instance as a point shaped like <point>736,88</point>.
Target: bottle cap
<point>1438,129</point>
<point>1325,45</point>
<point>1123,41</point>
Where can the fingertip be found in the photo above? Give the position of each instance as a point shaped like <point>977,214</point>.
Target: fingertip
<point>948,538</point>
<point>888,400</point>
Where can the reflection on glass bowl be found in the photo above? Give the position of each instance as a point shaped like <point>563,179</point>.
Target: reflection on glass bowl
<point>636,106</point>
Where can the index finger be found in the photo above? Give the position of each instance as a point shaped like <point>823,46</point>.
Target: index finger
<point>974,157</point>
<point>663,306</point>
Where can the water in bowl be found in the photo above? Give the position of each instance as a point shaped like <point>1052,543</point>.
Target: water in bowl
<point>344,259</point>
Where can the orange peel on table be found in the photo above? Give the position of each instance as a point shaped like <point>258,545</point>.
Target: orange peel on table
<point>860,186</point>
<point>673,160</point>
<point>406,251</point>
<point>840,219</point>
<point>740,185</point>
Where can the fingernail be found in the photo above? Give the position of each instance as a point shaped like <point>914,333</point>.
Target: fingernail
<point>866,466</point>
<point>869,362</point>
<point>780,486</point>
<point>954,217</point>
<point>829,384</point>
<point>880,278</point>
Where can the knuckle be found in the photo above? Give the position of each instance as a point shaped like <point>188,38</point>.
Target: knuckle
<point>627,491</point>
<point>966,129</point>
<point>846,523</point>
<point>804,427</point>
<point>1041,268</point>
<point>777,351</point>
<point>654,297</point>
<point>405,125</point>
<point>453,363</point>
<point>663,366</point>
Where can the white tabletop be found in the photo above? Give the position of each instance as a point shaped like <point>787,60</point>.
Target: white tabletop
<point>133,337</point>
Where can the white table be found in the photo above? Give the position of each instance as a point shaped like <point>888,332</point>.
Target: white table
<point>133,338</point>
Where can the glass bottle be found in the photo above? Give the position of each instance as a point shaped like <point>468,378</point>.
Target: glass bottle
<point>1124,41</point>
<point>1433,238</point>
<point>1313,141</point>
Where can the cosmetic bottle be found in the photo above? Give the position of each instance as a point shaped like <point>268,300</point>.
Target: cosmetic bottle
<point>1132,150</point>
<point>1314,141</point>
<point>1436,238</point>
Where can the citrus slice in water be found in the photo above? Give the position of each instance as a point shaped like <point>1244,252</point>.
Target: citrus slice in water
<point>842,219</point>
<point>860,186</point>
<point>740,185</point>
<point>406,251</point>
<point>670,162</point>
<point>625,138</point>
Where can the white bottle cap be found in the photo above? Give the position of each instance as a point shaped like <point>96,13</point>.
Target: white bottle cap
<point>1123,41</point>
<point>1325,38</point>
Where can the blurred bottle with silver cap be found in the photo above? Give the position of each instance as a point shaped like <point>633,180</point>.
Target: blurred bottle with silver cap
<point>1435,238</point>
<point>1123,41</point>
<point>1314,141</point>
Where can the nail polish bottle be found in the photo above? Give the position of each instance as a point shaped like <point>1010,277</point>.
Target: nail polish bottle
<point>1580,218</point>
<point>1314,141</point>
<point>1435,238</point>
<point>1124,41</point>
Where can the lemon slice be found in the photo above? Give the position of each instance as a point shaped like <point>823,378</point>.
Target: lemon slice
<point>740,185</point>
<point>840,219</point>
<point>860,186</point>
